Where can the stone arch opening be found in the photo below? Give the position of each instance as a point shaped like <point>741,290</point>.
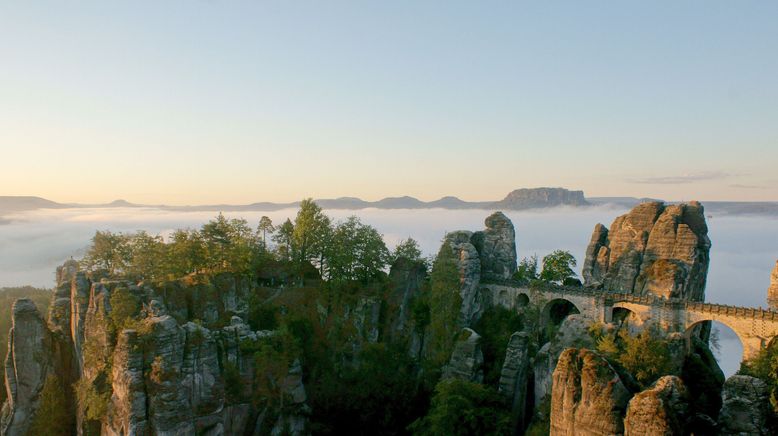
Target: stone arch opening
<point>728,348</point>
<point>557,310</point>
<point>522,300</point>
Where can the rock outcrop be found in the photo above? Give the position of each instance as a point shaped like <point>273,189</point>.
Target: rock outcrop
<point>514,377</point>
<point>469,265</point>
<point>655,249</point>
<point>484,255</point>
<point>497,247</point>
<point>662,409</point>
<point>772,291</point>
<point>466,359</point>
<point>745,407</point>
<point>588,397</point>
<point>156,376</point>
<point>573,332</point>
<point>26,367</point>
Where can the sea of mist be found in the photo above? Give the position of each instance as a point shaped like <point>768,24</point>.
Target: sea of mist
<point>744,251</point>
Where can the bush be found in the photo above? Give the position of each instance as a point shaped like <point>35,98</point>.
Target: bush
<point>464,408</point>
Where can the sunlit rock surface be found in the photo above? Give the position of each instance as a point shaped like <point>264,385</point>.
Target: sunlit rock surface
<point>663,409</point>
<point>654,249</point>
<point>588,397</point>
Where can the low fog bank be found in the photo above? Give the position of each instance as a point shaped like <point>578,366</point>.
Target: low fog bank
<point>744,251</point>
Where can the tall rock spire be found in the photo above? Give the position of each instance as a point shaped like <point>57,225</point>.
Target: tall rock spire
<point>654,249</point>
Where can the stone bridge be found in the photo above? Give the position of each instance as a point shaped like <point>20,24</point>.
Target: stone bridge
<point>755,327</point>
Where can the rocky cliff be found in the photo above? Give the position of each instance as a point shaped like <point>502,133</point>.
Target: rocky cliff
<point>588,397</point>
<point>655,249</point>
<point>487,255</point>
<point>154,372</point>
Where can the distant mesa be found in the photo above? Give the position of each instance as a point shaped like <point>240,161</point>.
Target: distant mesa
<point>541,197</point>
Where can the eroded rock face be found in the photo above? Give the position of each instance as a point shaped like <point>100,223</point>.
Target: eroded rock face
<point>127,412</point>
<point>588,397</point>
<point>572,333</point>
<point>466,359</point>
<point>469,265</point>
<point>745,407</point>
<point>662,409</point>
<point>772,292</point>
<point>653,249</point>
<point>497,247</point>
<point>484,255</point>
<point>26,366</point>
<point>406,278</point>
<point>514,376</point>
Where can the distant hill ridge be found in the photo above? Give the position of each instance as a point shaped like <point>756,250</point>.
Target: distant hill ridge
<point>519,199</point>
<point>516,200</point>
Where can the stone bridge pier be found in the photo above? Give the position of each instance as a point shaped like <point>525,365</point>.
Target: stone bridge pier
<point>755,328</point>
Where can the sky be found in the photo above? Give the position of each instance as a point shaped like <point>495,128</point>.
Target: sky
<point>192,102</point>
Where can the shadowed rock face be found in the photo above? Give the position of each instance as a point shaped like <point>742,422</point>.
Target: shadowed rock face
<point>588,397</point>
<point>466,359</point>
<point>660,410</point>
<point>653,249</point>
<point>26,367</point>
<point>772,292</point>
<point>745,407</point>
<point>514,376</point>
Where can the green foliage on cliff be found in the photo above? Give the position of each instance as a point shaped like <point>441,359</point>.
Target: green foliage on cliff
<point>124,306</point>
<point>645,355</point>
<point>91,400</point>
<point>464,408</point>
<point>496,326</point>
<point>445,304</point>
<point>54,415</point>
<point>765,366</point>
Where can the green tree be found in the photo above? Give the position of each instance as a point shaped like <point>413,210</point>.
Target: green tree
<point>124,307</point>
<point>265,226</point>
<point>558,266</point>
<point>464,408</point>
<point>54,415</point>
<point>445,304</point>
<point>527,270</point>
<point>147,257</point>
<point>311,235</point>
<point>407,249</point>
<point>229,244</point>
<point>186,253</point>
<point>358,252</point>
<point>283,237</point>
<point>645,355</point>
<point>109,252</point>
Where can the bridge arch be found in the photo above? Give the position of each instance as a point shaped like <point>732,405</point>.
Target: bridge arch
<point>522,300</point>
<point>556,310</point>
<point>749,346</point>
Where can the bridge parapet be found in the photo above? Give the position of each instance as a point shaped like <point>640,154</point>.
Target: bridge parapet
<point>756,327</point>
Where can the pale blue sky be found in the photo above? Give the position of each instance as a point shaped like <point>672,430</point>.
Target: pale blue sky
<point>199,102</point>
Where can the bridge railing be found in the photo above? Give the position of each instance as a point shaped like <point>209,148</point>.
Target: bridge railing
<point>610,297</point>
